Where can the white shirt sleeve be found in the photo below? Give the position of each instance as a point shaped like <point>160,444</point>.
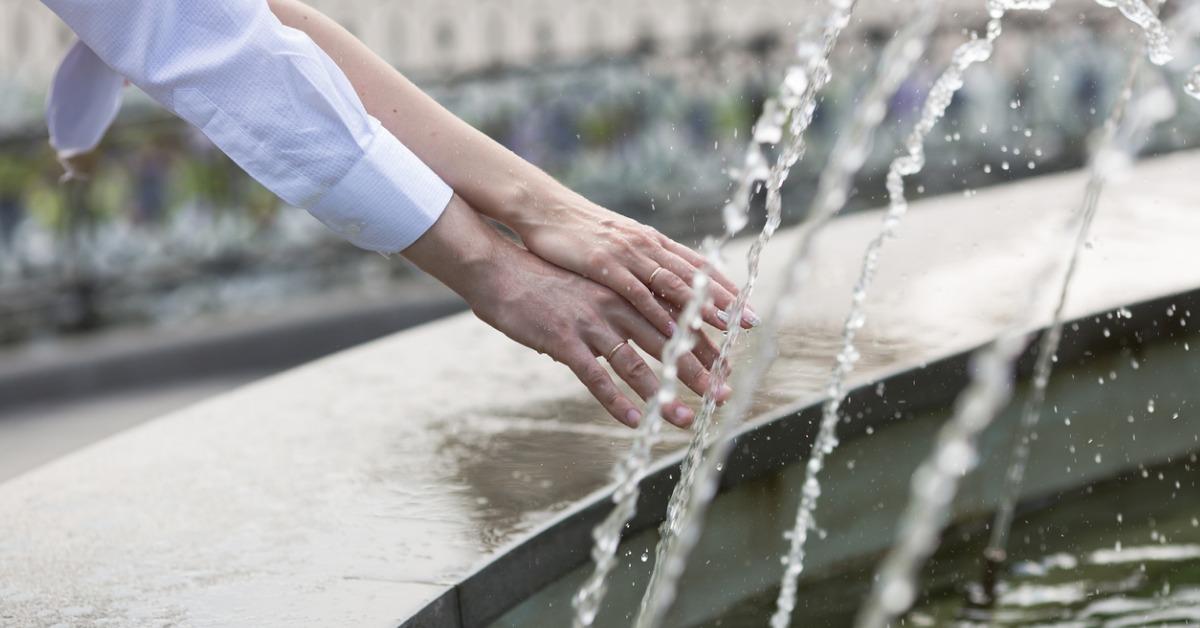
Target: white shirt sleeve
<point>273,101</point>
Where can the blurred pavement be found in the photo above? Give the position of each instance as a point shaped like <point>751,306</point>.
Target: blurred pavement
<point>37,434</point>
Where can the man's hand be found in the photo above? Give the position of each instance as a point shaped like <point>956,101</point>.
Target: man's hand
<point>572,319</point>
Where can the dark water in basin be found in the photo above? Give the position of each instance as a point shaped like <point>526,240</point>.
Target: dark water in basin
<point>1121,553</point>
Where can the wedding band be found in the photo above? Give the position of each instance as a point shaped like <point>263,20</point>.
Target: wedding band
<point>656,271</point>
<point>613,351</point>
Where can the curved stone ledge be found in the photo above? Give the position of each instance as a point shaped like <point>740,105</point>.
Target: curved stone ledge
<point>441,475</point>
<point>769,444</point>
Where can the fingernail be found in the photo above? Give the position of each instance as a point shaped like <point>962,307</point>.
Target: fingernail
<point>750,318</point>
<point>633,417</point>
<point>671,327</point>
<point>684,414</point>
<point>723,316</point>
<point>724,392</point>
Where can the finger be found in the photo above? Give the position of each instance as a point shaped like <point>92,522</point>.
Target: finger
<point>671,288</point>
<point>637,293</point>
<point>630,366</point>
<point>587,368</point>
<point>721,297</point>
<point>643,300</point>
<point>690,371</point>
<point>705,350</point>
<point>699,261</point>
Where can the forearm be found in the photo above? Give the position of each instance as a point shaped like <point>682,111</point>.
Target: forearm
<point>494,180</point>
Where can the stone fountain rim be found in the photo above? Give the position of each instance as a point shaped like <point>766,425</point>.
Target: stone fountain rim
<point>554,548</point>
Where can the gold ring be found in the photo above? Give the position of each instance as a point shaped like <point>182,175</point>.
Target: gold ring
<point>656,271</point>
<point>613,351</point>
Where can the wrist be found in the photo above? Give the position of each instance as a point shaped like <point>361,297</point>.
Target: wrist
<point>460,250</point>
<point>524,205</point>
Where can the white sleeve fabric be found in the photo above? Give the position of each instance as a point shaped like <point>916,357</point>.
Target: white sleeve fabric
<point>83,101</point>
<point>273,101</point>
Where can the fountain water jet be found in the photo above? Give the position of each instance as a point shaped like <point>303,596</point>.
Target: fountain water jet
<point>803,83</point>
<point>995,554</point>
<point>632,467</point>
<point>795,107</point>
<point>935,482</point>
<point>847,157</point>
<point>974,51</point>
<point>677,529</point>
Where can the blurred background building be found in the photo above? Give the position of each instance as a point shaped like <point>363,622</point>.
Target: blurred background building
<point>170,265</point>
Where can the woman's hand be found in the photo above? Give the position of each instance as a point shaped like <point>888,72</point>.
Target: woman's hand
<point>651,271</point>
<point>572,319</point>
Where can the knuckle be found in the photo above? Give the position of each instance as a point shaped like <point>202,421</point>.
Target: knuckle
<point>594,377</point>
<point>677,285</point>
<point>605,300</point>
<point>639,370</point>
<point>690,367</point>
<point>645,299</point>
<point>641,239</point>
<point>597,259</point>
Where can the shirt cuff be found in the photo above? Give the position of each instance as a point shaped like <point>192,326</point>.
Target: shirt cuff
<point>387,200</point>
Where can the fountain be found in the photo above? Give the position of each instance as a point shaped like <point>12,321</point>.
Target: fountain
<point>794,108</point>
<point>940,95</point>
<point>476,508</point>
<point>934,483</point>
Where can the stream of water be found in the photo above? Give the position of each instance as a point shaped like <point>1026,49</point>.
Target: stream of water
<point>848,155</point>
<point>632,467</point>
<point>1143,117</point>
<point>791,112</point>
<point>804,82</point>
<point>976,50</point>
<point>935,482</point>
<point>782,124</point>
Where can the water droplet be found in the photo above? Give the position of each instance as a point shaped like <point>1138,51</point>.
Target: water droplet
<point>1192,85</point>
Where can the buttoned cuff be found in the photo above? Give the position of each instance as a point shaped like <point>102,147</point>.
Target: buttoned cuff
<point>387,200</point>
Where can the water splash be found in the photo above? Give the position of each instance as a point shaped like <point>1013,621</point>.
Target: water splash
<point>935,482</point>
<point>1158,40</point>
<point>802,83</point>
<point>847,157</point>
<point>977,50</point>
<point>1192,85</point>
<point>794,108</point>
<point>632,467</point>
<point>1150,109</point>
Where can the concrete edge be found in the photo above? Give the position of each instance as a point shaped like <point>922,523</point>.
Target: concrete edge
<point>764,445</point>
<point>237,348</point>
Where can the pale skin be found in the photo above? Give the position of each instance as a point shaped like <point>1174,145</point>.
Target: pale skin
<point>586,279</point>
